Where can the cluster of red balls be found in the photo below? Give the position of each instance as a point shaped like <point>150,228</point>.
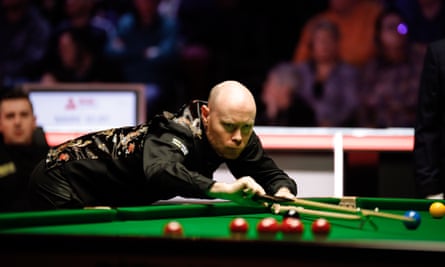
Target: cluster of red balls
<point>267,228</point>
<point>291,227</point>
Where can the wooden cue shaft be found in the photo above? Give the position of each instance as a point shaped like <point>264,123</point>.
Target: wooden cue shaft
<point>277,208</point>
<point>364,212</point>
<point>387,215</point>
<point>316,204</point>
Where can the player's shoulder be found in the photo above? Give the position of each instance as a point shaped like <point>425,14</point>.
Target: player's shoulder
<point>255,140</point>
<point>168,123</point>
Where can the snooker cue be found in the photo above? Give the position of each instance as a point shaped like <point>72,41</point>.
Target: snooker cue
<point>303,202</point>
<point>277,208</point>
<point>386,215</point>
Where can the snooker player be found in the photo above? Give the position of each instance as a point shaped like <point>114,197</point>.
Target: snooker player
<point>172,155</point>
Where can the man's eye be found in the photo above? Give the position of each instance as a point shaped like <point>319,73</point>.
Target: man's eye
<point>229,127</point>
<point>246,129</point>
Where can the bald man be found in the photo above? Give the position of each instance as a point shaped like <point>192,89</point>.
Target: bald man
<point>173,155</point>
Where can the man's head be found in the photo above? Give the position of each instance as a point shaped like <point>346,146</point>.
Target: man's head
<point>17,119</point>
<point>229,118</point>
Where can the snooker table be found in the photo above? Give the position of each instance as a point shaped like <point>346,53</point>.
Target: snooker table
<point>133,236</point>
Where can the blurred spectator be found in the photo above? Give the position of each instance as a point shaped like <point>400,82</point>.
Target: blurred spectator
<point>281,105</point>
<point>24,34</point>
<point>425,19</point>
<point>76,60</point>
<point>329,84</point>
<point>391,79</point>
<point>22,145</point>
<point>355,20</point>
<point>80,15</point>
<point>146,46</point>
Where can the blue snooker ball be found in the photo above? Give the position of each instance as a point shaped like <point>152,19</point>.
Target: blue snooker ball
<point>412,225</point>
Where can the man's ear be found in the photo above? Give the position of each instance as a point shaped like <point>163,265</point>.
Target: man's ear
<point>204,113</point>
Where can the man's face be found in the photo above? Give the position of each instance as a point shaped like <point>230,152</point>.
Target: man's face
<point>228,130</point>
<point>17,121</point>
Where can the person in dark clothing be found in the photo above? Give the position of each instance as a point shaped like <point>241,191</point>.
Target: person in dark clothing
<point>76,60</point>
<point>429,131</point>
<point>20,148</point>
<point>172,155</point>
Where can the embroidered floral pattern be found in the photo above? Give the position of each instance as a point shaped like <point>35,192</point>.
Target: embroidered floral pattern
<point>111,143</point>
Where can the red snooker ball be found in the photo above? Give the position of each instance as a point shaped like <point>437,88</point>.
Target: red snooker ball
<point>239,225</point>
<point>321,227</point>
<point>268,227</point>
<point>173,229</point>
<point>292,228</point>
<point>238,228</point>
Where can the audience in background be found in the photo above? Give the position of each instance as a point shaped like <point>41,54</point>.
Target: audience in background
<point>22,145</point>
<point>76,60</point>
<point>329,84</point>
<point>24,35</point>
<point>80,16</point>
<point>204,40</point>
<point>146,46</point>
<point>355,20</point>
<point>391,78</point>
<point>281,105</point>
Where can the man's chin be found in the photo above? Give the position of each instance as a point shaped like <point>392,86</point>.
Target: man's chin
<point>232,155</point>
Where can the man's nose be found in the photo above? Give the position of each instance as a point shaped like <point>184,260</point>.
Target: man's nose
<point>237,137</point>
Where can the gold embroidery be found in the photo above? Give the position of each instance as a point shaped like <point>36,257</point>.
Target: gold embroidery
<point>7,169</point>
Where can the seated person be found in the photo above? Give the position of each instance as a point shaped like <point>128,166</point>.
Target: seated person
<point>147,48</point>
<point>355,21</point>
<point>281,104</point>
<point>19,149</point>
<point>173,155</point>
<point>75,60</point>
<point>329,84</point>
<point>388,96</point>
